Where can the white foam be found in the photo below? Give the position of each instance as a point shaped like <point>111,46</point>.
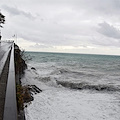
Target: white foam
<point>63,104</point>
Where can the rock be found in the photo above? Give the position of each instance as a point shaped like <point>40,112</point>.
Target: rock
<point>29,90</point>
<point>33,68</point>
<point>34,89</point>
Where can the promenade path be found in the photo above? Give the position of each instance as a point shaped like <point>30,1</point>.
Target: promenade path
<point>4,47</point>
<point>4,69</point>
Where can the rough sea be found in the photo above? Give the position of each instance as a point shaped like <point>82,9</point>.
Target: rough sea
<point>75,86</point>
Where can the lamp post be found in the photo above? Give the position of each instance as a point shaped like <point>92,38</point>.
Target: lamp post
<point>2,21</point>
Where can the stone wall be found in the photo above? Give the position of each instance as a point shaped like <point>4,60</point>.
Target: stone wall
<point>20,66</point>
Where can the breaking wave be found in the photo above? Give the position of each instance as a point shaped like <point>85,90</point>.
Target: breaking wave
<point>66,71</point>
<point>44,79</point>
<point>83,85</point>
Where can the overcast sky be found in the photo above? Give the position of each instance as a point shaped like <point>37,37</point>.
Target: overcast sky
<point>75,26</point>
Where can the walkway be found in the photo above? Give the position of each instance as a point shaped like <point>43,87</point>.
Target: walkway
<point>4,69</point>
<point>4,47</point>
<point>3,84</point>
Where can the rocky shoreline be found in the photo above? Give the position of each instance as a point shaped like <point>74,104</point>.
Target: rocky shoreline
<point>24,94</point>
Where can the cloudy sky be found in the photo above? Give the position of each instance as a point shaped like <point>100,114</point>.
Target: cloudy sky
<point>74,26</point>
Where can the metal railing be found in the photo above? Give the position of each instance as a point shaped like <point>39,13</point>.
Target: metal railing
<point>7,41</point>
<point>10,109</point>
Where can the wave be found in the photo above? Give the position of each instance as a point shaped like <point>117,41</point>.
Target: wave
<point>71,72</point>
<point>44,79</point>
<point>65,71</point>
<point>84,85</point>
<point>54,81</point>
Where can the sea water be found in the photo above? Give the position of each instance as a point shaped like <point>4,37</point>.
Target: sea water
<point>75,86</point>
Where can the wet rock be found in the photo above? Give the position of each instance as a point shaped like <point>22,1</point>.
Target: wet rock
<point>33,68</point>
<point>29,90</point>
<point>34,89</point>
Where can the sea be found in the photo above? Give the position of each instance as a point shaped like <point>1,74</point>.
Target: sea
<point>74,86</point>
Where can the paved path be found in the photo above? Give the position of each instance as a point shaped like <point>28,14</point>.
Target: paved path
<point>4,50</point>
<point>3,84</point>
<point>4,47</point>
<point>4,69</point>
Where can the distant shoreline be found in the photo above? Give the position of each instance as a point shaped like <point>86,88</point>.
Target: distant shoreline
<point>73,53</point>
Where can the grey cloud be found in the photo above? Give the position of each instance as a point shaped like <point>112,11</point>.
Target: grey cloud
<point>15,11</point>
<point>64,22</point>
<point>110,7</point>
<point>105,42</point>
<point>37,45</point>
<point>109,30</point>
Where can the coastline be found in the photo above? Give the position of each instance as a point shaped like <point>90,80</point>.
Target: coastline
<point>73,87</point>
<point>24,93</point>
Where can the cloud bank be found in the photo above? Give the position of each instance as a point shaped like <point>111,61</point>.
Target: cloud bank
<point>82,26</point>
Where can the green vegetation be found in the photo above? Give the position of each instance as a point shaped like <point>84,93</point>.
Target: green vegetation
<point>20,99</point>
<point>2,19</point>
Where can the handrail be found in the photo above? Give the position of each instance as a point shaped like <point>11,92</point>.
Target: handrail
<point>10,109</point>
<point>8,41</point>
